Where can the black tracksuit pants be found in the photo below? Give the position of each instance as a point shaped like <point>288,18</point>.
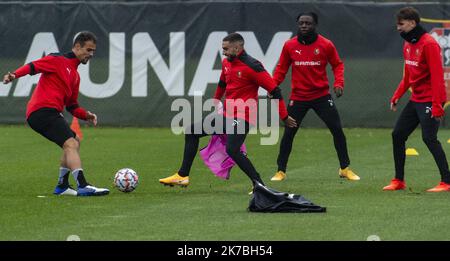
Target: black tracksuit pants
<point>413,114</point>
<point>325,108</point>
<point>236,130</point>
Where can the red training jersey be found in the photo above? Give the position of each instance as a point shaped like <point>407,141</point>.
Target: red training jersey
<point>58,85</point>
<point>423,72</point>
<point>309,62</point>
<point>239,81</point>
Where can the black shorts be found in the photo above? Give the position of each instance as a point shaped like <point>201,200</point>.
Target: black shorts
<point>51,124</point>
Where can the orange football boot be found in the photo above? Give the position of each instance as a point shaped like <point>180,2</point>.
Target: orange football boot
<point>441,187</point>
<point>396,184</point>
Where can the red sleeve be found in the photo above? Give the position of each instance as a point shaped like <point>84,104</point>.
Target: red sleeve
<point>72,105</point>
<point>337,65</point>
<point>283,65</point>
<point>403,86</point>
<point>264,80</point>
<point>219,93</point>
<point>433,57</point>
<point>74,108</point>
<point>22,71</point>
<point>45,64</point>
<point>79,112</point>
<point>221,87</point>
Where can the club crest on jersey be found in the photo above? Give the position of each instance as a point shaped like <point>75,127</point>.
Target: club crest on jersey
<point>316,51</point>
<point>417,52</point>
<point>239,74</point>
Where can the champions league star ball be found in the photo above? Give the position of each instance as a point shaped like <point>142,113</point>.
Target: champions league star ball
<point>126,180</point>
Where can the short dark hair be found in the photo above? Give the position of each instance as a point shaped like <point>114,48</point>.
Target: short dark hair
<point>408,13</point>
<point>314,16</point>
<point>233,38</point>
<point>83,37</point>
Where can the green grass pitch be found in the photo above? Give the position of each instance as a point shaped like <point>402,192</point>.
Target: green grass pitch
<point>213,209</point>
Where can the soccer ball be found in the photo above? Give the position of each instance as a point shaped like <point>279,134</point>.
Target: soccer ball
<point>126,180</point>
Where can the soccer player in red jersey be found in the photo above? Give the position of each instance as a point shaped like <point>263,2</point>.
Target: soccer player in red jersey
<point>57,88</point>
<point>241,77</point>
<point>424,74</point>
<point>308,54</point>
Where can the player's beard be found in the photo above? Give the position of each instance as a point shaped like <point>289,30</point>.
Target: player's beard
<point>85,61</point>
<point>231,57</point>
